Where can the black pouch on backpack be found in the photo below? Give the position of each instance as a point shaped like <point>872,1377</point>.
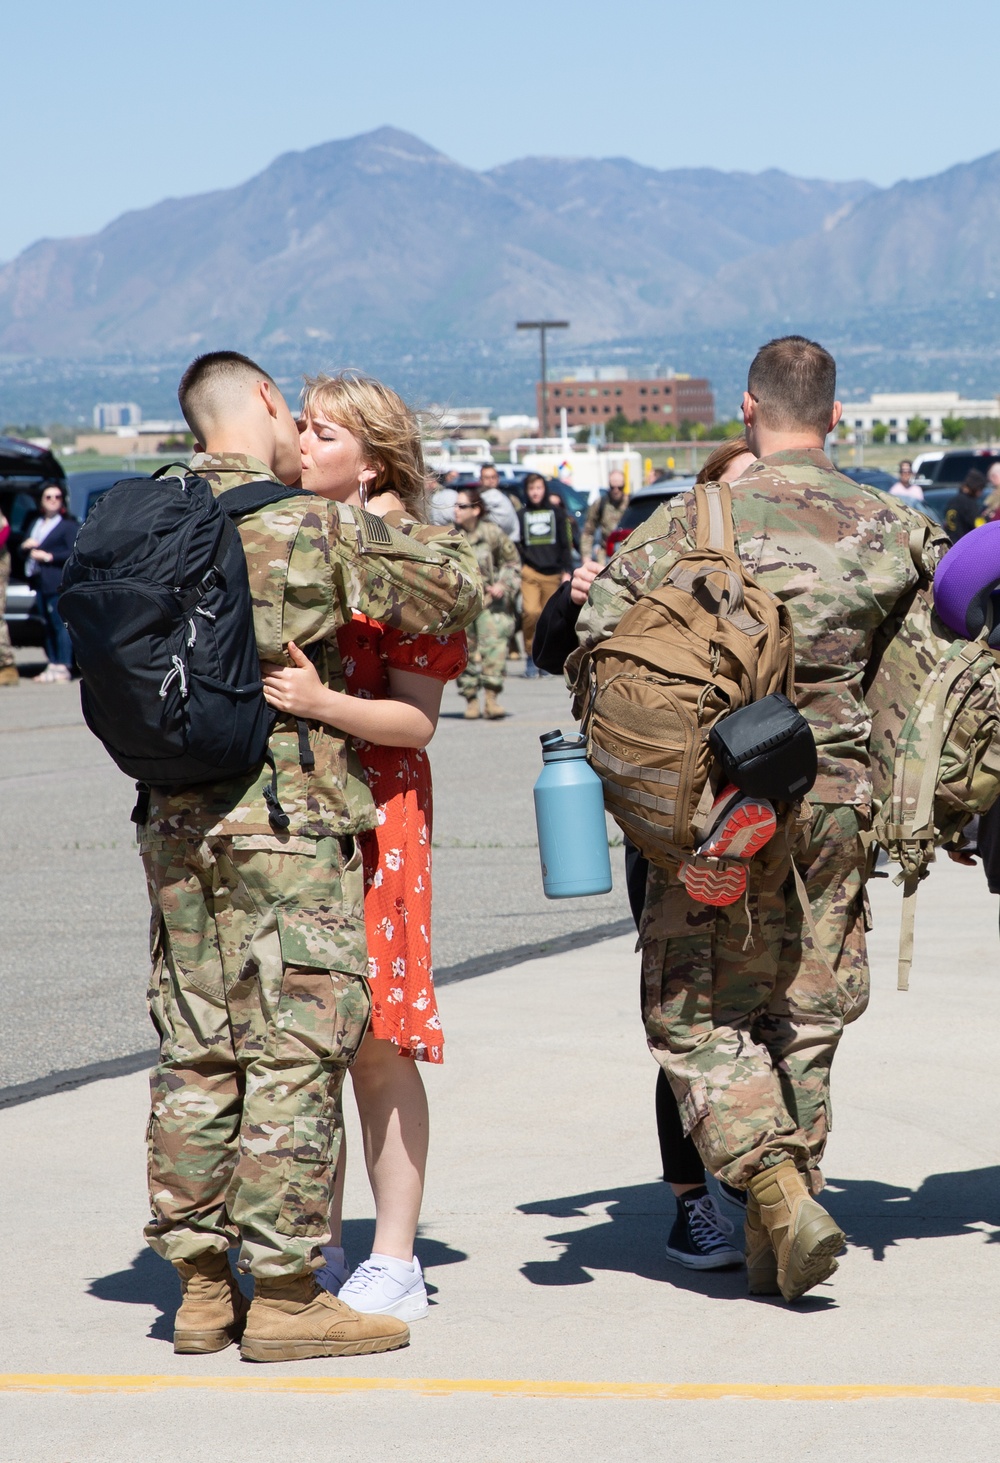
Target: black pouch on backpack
<point>767,749</point>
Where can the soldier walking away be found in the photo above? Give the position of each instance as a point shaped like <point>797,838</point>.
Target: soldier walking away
<point>603,515</point>
<point>744,1005</point>
<point>489,635</point>
<point>8,666</point>
<point>258,986</point>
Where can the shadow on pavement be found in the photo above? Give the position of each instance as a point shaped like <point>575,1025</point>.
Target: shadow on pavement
<point>630,1234</point>
<point>150,1281</point>
<point>359,1235</point>
<point>875,1216</point>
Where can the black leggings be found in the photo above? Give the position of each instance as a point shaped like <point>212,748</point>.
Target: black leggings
<point>681,1160</point>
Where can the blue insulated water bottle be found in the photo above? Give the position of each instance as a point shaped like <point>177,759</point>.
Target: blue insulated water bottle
<point>569,814</point>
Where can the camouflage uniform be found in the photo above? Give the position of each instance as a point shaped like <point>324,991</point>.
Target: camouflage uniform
<point>741,1009</point>
<point>603,517</point>
<point>489,635</point>
<point>258,988</point>
<point>6,649</point>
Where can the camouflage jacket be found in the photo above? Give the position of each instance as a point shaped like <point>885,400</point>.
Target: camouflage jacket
<point>499,562</point>
<point>603,516</point>
<point>836,552</point>
<point>312,562</point>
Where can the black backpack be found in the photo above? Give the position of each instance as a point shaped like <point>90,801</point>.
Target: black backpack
<point>157,600</point>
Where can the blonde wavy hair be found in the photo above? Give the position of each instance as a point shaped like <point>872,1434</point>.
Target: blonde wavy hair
<point>387,429</point>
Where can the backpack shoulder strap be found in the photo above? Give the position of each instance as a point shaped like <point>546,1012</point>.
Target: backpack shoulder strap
<point>715,517</point>
<point>168,470</point>
<point>249,497</point>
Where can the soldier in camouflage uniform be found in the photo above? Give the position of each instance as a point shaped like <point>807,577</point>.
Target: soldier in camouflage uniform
<point>744,1006</point>
<point>8,666</point>
<point>603,515</point>
<point>489,636</point>
<point>258,987</point>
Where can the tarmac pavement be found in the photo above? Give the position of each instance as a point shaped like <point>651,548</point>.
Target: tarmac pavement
<point>73,910</point>
<point>558,1329</point>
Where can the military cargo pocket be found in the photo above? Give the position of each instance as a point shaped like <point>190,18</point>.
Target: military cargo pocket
<point>320,1021</point>
<point>323,927</point>
<point>693,1107</point>
<point>700,1121</point>
<point>311,1160</point>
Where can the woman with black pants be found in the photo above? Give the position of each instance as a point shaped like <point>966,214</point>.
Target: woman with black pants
<point>45,550</point>
<point>701,1238</point>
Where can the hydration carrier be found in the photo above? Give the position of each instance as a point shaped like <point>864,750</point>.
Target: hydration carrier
<point>935,740</point>
<point>705,643</point>
<point>157,600</point>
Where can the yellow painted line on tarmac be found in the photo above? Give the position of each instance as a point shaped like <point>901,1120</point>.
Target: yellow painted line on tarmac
<point>492,1387</point>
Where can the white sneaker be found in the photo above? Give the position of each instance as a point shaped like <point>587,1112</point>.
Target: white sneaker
<point>335,1271</point>
<point>384,1286</point>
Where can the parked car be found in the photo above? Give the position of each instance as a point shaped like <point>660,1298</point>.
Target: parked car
<point>872,477</point>
<point>948,469</point>
<point>85,488</point>
<point>641,505</point>
<point>24,472</point>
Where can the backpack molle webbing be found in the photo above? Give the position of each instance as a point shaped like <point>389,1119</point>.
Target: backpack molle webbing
<point>707,641</point>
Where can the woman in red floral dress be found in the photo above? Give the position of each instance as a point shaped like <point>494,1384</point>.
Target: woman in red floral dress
<point>360,444</point>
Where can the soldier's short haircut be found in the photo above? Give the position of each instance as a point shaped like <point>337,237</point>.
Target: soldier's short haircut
<point>794,382</point>
<point>211,385</point>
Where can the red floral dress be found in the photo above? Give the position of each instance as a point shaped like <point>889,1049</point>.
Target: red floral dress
<point>397,853</point>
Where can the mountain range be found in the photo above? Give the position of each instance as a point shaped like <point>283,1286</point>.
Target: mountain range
<point>381,239</point>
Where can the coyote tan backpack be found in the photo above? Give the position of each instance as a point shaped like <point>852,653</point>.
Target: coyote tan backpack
<point>935,739</point>
<point>707,641</point>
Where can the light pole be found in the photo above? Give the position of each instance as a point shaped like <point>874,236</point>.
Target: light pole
<point>542,326</point>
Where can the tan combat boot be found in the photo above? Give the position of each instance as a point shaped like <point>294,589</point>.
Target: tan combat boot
<point>472,712</point>
<point>213,1309</point>
<point>291,1318</point>
<point>9,676</point>
<point>762,1262</point>
<point>804,1237</point>
<point>492,710</point>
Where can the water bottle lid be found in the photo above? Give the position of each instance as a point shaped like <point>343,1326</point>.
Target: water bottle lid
<point>555,744</point>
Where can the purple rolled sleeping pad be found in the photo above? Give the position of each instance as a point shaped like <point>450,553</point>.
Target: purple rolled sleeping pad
<point>967,583</point>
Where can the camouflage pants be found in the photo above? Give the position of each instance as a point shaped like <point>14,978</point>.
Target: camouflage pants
<point>6,649</point>
<point>745,1017</point>
<point>259,998</point>
<point>488,635</point>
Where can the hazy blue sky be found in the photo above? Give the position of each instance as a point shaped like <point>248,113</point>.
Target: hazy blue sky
<point>114,105</point>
